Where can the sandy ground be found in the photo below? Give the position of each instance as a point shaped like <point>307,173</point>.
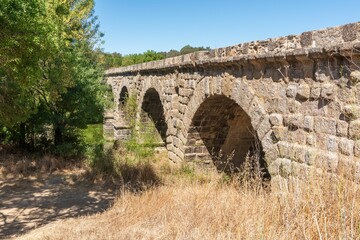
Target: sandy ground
<point>27,203</point>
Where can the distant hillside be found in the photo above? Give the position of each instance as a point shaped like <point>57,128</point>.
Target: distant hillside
<point>111,60</point>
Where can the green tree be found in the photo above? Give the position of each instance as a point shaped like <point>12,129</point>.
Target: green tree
<point>110,60</point>
<point>50,73</point>
<point>147,56</point>
<point>24,41</point>
<point>189,49</point>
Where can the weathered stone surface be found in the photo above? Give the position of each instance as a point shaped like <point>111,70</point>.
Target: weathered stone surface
<point>285,94</point>
<point>327,91</point>
<point>349,32</point>
<point>311,155</point>
<point>352,111</point>
<point>276,119</point>
<point>309,123</point>
<point>354,129</point>
<point>291,91</point>
<point>355,77</point>
<point>327,161</point>
<point>315,91</point>
<point>280,133</point>
<point>321,77</point>
<point>357,148</point>
<point>346,146</point>
<point>281,166</point>
<point>294,120</point>
<point>342,128</point>
<point>311,140</point>
<point>306,39</point>
<point>293,105</point>
<point>303,92</point>
<point>331,144</point>
<point>325,125</point>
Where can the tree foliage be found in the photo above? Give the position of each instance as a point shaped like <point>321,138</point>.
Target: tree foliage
<point>23,42</point>
<point>110,60</point>
<point>49,75</point>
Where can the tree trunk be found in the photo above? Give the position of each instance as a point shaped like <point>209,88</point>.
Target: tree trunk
<point>22,136</point>
<point>58,135</point>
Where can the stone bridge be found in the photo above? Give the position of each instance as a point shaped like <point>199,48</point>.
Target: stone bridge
<point>295,100</point>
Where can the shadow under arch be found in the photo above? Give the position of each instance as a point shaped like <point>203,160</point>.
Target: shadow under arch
<point>124,94</point>
<point>153,109</point>
<point>221,132</point>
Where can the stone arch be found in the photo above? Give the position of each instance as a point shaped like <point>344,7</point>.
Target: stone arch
<point>148,84</point>
<point>224,124</point>
<point>152,109</point>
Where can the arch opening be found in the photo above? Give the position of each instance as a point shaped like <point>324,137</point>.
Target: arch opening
<point>124,94</point>
<point>153,112</point>
<point>221,133</point>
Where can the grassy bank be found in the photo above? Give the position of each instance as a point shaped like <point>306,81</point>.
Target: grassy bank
<point>190,205</point>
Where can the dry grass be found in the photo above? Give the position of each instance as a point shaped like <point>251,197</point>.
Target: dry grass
<point>16,163</point>
<point>192,206</point>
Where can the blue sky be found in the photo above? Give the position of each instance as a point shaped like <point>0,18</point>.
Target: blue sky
<point>135,26</point>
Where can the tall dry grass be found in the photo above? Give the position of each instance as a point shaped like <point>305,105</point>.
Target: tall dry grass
<point>207,206</point>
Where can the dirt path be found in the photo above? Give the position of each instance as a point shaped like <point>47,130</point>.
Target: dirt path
<point>31,202</point>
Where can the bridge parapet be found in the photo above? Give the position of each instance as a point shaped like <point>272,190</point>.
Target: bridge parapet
<point>336,40</point>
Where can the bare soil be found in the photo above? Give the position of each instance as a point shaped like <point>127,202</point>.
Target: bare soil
<point>29,202</point>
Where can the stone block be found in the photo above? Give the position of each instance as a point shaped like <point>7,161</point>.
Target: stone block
<point>179,153</point>
<point>297,136</point>
<point>283,148</point>
<point>263,128</point>
<point>280,133</point>
<point>184,100</point>
<point>297,153</point>
<point>325,125</point>
<point>276,119</point>
<point>172,156</point>
<point>327,161</point>
<point>327,91</point>
<point>321,77</point>
<point>271,154</point>
<point>175,105</point>
<point>281,166</point>
<point>186,92</point>
<point>331,143</point>
<point>243,94</point>
<point>306,39</point>
<point>315,91</point>
<point>293,105</point>
<point>276,105</point>
<point>308,123</point>
<point>346,146</point>
<point>291,91</point>
<point>354,129</point>
<point>182,108</point>
<point>355,77</point>
<point>352,111</point>
<point>311,155</point>
<point>303,92</point>
<point>256,112</point>
<point>342,128</point>
<point>311,140</point>
<point>294,120</point>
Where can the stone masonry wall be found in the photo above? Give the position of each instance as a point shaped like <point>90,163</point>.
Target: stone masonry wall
<point>299,96</point>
